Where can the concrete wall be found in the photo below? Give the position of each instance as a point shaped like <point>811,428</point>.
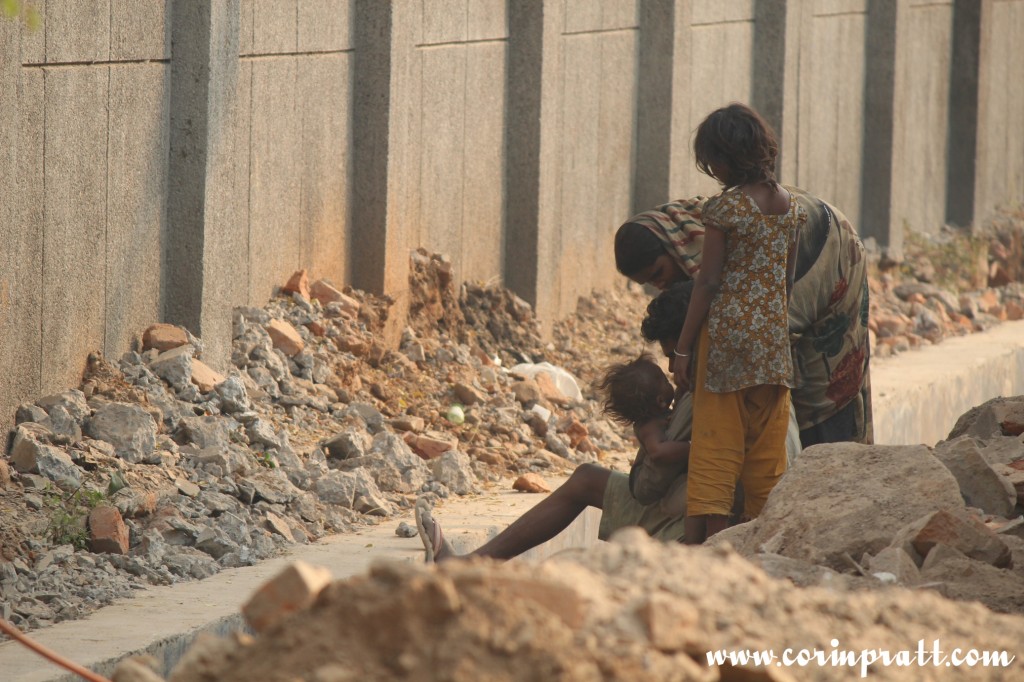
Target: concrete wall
<point>171,159</point>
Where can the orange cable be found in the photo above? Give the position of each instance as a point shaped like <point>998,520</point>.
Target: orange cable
<point>54,657</point>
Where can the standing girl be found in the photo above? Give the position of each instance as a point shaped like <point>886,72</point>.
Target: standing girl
<point>743,370</point>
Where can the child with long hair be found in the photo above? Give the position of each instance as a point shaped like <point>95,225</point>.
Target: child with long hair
<point>638,394</point>
<point>738,323</point>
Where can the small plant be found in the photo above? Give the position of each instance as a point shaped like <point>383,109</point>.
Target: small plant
<point>69,514</point>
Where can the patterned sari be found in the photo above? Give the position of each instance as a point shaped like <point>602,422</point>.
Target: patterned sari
<point>828,313</point>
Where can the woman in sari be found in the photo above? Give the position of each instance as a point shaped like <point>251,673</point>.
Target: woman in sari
<point>828,312</point>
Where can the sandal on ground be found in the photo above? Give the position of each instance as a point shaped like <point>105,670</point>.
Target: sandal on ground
<point>430,533</point>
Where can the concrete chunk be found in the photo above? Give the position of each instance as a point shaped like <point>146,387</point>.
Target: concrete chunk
<point>959,531</point>
<point>979,483</point>
<point>294,589</point>
<point>285,338</point>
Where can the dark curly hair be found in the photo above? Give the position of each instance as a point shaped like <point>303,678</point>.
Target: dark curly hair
<point>666,313</point>
<point>631,389</point>
<point>738,139</point>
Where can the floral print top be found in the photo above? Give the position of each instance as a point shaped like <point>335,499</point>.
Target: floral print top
<point>748,324</point>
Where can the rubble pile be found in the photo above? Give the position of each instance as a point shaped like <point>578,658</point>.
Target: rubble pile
<point>158,468</point>
<point>631,609</point>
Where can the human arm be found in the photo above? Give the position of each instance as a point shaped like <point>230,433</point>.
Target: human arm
<point>705,287</point>
<point>660,448</point>
<point>794,246</point>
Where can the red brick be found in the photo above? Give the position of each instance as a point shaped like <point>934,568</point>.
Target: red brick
<point>107,532</point>
<point>163,337</point>
<point>298,283</point>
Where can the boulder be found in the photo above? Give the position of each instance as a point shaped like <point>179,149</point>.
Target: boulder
<point>129,428</point>
<point>174,366</point>
<point>454,471</point>
<point>848,499</point>
<point>997,417</point>
<point>958,530</point>
<point>980,485</point>
<point>30,455</point>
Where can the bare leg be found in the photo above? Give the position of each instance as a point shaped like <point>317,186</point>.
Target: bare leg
<point>695,529</point>
<point>717,523</point>
<point>585,488</point>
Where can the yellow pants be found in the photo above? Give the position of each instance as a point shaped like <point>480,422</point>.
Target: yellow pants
<point>737,436</point>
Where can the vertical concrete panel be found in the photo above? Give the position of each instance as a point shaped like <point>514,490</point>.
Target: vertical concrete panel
<point>581,16</point>
<point>579,209</point>
<point>444,21</point>
<point>324,25</point>
<point>139,30</point>
<point>487,19</point>
<point>274,26</point>
<point>77,31</point>
<point>620,14</point>
<point>831,104</point>
<point>442,150</point>
<point>275,235</point>
<point>74,227</point>
<point>919,187</point>
<point>206,268</point>
<point>720,74</point>
<point>617,95</point>
<point>483,163</point>
<point>137,150</point>
<point>1001,174</point>
<point>246,21</point>
<point>21,256</point>
<point>324,95</point>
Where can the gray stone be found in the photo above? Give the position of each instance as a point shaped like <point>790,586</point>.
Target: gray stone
<point>73,401</point>
<point>175,367</point>
<point>370,415</point>
<point>129,428</point>
<point>231,459</point>
<point>218,503</point>
<point>897,563</point>
<point>215,542</point>
<point>233,395</point>
<point>453,469</point>
<point>849,499</point>
<point>980,485</point>
<point>273,486</point>
<point>262,432</point>
<point>347,444</point>
<point>337,487</point>
<point>368,498</point>
<point>63,424</point>
<point>409,471</point>
<point>265,380</point>
<point>27,412</point>
<point>28,455</point>
<point>206,432</point>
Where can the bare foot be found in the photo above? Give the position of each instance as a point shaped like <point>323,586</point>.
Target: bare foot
<point>437,548</point>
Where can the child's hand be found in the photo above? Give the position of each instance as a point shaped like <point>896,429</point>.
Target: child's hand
<point>681,374</point>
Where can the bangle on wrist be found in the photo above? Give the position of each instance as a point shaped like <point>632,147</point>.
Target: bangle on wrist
<point>680,355</point>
